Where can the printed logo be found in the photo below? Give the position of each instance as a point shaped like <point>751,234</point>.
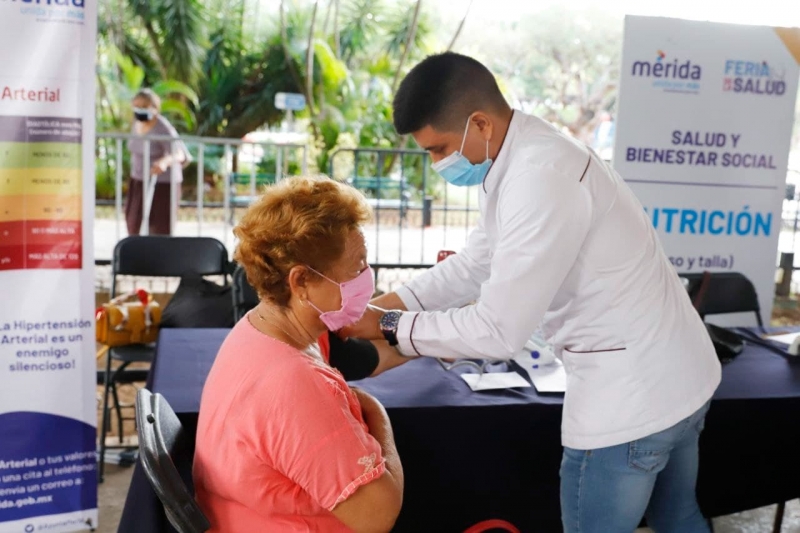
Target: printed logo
<point>63,3</point>
<point>49,11</point>
<point>753,77</point>
<point>670,75</point>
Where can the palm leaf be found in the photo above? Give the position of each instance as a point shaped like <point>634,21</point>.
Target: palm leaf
<point>170,87</point>
<point>132,75</point>
<point>177,108</point>
<point>183,24</point>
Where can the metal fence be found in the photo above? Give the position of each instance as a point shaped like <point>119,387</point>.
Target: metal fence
<point>113,160</point>
<point>388,278</point>
<point>416,213</point>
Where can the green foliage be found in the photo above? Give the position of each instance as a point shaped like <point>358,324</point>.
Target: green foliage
<point>568,68</point>
<point>224,66</point>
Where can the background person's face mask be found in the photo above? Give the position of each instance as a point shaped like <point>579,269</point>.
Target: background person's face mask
<point>143,114</point>
<point>457,169</point>
<point>356,294</point>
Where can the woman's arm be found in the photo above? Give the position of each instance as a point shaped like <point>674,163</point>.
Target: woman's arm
<point>357,359</point>
<point>388,357</point>
<point>175,151</point>
<point>374,507</point>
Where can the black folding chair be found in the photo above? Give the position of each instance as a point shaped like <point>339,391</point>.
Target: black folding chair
<point>150,256</point>
<point>244,295</point>
<point>725,292</point>
<point>161,439</point>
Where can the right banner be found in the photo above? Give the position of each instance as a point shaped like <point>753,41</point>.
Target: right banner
<point>703,133</point>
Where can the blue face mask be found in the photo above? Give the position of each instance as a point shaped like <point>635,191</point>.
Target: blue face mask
<point>457,169</point>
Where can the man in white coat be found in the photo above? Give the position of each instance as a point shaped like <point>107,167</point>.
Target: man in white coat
<point>562,242</point>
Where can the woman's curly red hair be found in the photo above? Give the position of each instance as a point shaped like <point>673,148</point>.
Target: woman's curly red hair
<point>298,221</point>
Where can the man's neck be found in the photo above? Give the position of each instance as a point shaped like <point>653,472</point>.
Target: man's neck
<point>496,144</point>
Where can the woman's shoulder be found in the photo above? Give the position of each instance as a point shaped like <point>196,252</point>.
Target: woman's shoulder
<point>245,342</point>
<point>163,126</point>
<point>270,360</point>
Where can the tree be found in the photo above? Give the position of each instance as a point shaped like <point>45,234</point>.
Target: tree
<point>176,31</point>
<point>460,27</point>
<point>344,64</point>
<point>567,69</point>
<point>408,35</point>
<point>360,30</point>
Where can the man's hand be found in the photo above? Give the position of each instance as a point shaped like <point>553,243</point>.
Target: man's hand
<point>389,301</point>
<point>368,326</point>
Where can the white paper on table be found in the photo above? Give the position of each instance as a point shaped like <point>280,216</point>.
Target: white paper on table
<point>546,378</point>
<point>787,338</point>
<point>494,380</point>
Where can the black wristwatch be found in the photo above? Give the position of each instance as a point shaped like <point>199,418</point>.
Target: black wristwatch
<point>388,324</point>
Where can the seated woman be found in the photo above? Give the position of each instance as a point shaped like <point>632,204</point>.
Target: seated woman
<point>283,444</point>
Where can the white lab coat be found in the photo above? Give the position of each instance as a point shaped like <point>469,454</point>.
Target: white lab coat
<point>562,241</point>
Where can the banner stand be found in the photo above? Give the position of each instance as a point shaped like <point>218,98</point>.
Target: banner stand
<point>703,136</point>
<point>48,406</point>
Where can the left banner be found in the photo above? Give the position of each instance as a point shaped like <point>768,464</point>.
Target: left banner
<point>48,468</point>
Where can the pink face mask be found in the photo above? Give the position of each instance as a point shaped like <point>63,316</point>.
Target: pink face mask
<point>356,294</point>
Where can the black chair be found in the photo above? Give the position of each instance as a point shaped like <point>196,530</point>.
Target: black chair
<point>725,292</point>
<point>151,256</point>
<point>244,296</point>
<point>161,439</point>
<point>729,292</point>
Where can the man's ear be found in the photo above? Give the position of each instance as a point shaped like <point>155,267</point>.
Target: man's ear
<point>484,124</point>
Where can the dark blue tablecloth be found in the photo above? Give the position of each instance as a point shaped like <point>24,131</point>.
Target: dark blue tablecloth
<point>495,454</point>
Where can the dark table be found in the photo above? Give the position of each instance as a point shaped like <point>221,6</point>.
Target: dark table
<point>470,456</point>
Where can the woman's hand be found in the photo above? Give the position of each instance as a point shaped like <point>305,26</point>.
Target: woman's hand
<point>370,407</point>
<point>159,167</point>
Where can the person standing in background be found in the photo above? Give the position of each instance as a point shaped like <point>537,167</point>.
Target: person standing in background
<point>163,154</point>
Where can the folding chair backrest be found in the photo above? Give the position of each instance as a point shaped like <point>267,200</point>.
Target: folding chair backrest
<point>163,256</point>
<point>726,292</point>
<point>161,437</point>
<point>492,525</point>
<point>244,295</point>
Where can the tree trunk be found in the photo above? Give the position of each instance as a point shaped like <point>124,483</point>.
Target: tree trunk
<point>409,43</point>
<point>460,27</point>
<point>256,26</point>
<point>242,9</point>
<point>336,51</point>
<point>287,53</point>
<point>302,87</point>
<point>104,92</point>
<point>151,33</point>
<point>406,50</point>
<point>327,17</point>
<point>310,60</point>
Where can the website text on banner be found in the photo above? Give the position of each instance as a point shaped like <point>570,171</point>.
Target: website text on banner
<point>48,469</point>
<point>703,136</point>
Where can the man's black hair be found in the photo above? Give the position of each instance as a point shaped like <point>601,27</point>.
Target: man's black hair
<point>442,91</point>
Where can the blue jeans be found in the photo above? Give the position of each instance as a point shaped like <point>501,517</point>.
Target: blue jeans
<point>609,490</point>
